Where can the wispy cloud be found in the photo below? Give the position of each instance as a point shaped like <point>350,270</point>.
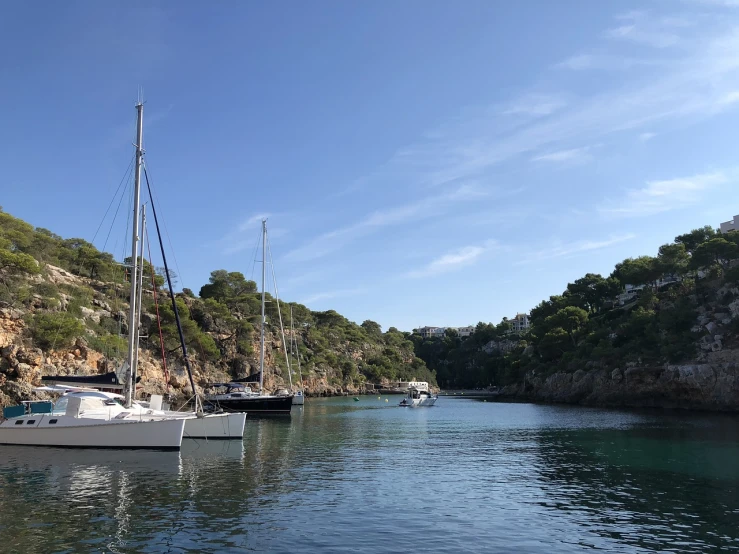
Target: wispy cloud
<point>535,105</point>
<point>571,156</point>
<point>571,249</point>
<point>245,235</point>
<point>660,32</point>
<point>425,208</point>
<point>250,222</point>
<point>452,261</point>
<point>720,3</point>
<point>606,62</point>
<point>644,137</point>
<point>662,196</point>
<point>694,83</point>
<point>328,295</point>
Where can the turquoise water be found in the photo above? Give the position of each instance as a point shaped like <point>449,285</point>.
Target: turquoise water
<point>339,475</point>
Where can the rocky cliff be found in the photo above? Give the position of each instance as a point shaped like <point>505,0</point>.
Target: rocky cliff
<point>711,385</point>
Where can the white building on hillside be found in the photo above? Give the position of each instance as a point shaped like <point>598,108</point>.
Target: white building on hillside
<point>520,323</point>
<point>465,331</point>
<point>630,293</point>
<point>732,225</point>
<point>431,332</point>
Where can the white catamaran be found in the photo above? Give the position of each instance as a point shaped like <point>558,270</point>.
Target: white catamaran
<point>91,418</point>
<point>198,425</point>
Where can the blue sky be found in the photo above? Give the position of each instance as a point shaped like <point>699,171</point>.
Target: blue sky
<point>420,162</point>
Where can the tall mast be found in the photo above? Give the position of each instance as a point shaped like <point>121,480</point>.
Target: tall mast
<point>294,350</point>
<point>139,305</point>
<point>134,255</point>
<point>264,282</point>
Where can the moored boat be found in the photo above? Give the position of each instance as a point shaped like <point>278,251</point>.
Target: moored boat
<point>217,426</point>
<point>237,397</point>
<point>416,398</point>
<point>77,425</point>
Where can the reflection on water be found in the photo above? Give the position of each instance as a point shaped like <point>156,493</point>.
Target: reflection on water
<point>338,475</point>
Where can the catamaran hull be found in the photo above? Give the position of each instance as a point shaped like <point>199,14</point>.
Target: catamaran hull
<point>275,405</point>
<point>72,432</point>
<point>216,427</point>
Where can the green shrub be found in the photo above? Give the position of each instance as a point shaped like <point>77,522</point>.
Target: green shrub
<point>55,329</point>
<point>110,345</point>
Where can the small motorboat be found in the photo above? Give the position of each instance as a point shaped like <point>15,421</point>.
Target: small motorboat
<point>416,398</point>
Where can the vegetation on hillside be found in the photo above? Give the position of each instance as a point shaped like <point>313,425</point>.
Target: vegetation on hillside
<point>220,325</point>
<point>586,325</point>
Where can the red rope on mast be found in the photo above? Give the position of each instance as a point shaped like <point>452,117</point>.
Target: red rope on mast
<point>159,322</point>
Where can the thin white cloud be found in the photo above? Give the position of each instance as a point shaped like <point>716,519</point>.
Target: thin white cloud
<point>339,293</point>
<point>657,32</point>
<point>572,249</point>
<point>452,261</point>
<point>644,137</point>
<point>694,84</point>
<point>577,63</point>
<point>652,38</point>
<point>719,3</point>
<point>250,222</point>
<point>572,155</point>
<point>535,105</point>
<point>244,235</point>
<point>428,207</point>
<point>605,62</point>
<point>662,196</point>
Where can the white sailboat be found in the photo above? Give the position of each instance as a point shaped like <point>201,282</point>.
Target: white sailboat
<point>198,425</point>
<point>87,420</point>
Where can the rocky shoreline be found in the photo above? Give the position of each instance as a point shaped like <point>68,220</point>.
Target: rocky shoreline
<point>710,385</point>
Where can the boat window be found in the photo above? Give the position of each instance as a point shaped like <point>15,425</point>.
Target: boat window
<point>19,422</point>
<point>52,421</point>
<point>61,404</point>
<point>30,421</point>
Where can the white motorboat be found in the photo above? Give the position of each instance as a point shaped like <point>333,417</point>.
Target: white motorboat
<point>298,398</point>
<point>81,424</point>
<point>197,425</point>
<point>416,398</point>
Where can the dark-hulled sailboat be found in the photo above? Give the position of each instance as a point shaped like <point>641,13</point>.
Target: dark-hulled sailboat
<point>237,396</point>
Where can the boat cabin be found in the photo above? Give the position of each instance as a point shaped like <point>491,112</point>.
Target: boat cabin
<point>232,390</point>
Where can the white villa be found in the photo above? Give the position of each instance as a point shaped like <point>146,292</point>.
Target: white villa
<point>438,332</point>
<point>520,323</point>
<point>465,331</point>
<point>732,225</point>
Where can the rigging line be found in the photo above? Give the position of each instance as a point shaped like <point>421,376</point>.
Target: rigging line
<point>159,321</point>
<point>115,216</point>
<point>125,175</point>
<point>166,231</point>
<point>171,293</point>
<point>279,313</point>
<point>254,257</point>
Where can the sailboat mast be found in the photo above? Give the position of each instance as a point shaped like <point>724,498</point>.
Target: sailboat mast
<point>294,351</point>
<point>137,329</point>
<point>132,346</point>
<point>264,284</point>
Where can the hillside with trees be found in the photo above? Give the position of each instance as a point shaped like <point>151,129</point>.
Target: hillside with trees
<point>651,316</point>
<point>64,309</point>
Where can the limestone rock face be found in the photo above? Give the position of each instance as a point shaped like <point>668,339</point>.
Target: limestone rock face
<point>711,385</point>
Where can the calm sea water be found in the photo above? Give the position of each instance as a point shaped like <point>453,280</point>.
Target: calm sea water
<point>339,475</point>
